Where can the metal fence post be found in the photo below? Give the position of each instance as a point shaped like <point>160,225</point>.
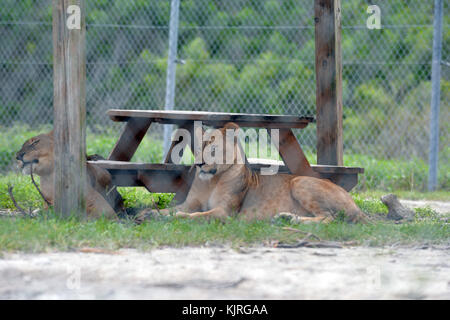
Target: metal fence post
<point>171,68</point>
<point>435,96</point>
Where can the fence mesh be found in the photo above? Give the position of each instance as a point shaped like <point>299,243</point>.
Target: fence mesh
<point>238,56</point>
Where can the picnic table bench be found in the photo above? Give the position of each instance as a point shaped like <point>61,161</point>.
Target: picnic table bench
<point>168,177</point>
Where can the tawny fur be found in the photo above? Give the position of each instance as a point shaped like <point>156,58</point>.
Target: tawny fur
<point>102,199</point>
<point>222,190</point>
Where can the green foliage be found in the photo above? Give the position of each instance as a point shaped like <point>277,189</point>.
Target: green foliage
<point>279,62</point>
<point>427,213</point>
<point>369,205</point>
<point>141,198</point>
<point>372,95</point>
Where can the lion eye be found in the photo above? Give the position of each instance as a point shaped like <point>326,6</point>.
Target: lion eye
<point>34,143</point>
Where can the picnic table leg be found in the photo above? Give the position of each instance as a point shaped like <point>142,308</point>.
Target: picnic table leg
<point>188,127</point>
<point>188,177</point>
<point>181,183</point>
<point>293,156</point>
<point>130,139</point>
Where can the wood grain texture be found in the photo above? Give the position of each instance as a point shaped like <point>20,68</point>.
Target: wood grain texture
<point>169,177</point>
<point>129,140</point>
<point>190,128</point>
<point>187,177</point>
<point>328,82</point>
<point>214,119</point>
<point>69,71</point>
<point>125,165</point>
<point>292,154</point>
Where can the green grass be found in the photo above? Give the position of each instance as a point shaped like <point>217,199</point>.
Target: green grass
<point>50,233</point>
<point>396,174</point>
<point>47,232</point>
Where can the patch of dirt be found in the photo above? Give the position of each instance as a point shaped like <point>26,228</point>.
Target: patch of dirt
<point>225,273</point>
<point>442,207</point>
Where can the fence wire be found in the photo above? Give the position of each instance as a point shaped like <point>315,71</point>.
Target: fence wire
<point>238,56</point>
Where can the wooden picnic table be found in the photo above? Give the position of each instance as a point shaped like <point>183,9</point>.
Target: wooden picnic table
<point>177,178</point>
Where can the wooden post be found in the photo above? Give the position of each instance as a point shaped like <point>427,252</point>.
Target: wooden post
<point>69,77</point>
<point>292,155</point>
<point>328,82</point>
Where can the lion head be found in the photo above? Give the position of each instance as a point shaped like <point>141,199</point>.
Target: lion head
<point>221,151</point>
<point>37,152</point>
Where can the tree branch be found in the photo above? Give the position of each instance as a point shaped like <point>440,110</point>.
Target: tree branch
<point>35,184</point>
<point>11,195</point>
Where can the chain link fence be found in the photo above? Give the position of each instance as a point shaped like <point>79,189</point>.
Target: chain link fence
<point>238,56</point>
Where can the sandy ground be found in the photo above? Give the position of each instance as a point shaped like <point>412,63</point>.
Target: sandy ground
<point>439,206</point>
<point>225,273</point>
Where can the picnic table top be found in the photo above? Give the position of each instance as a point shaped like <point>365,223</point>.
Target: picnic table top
<point>215,119</point>
<point>253,162</point>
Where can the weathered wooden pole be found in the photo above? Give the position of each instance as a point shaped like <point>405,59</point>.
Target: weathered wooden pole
<point>328,82</point>
<point>69,77</point>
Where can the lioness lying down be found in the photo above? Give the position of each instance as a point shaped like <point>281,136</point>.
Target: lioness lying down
<point>102,199</point>
<point>221,190</point>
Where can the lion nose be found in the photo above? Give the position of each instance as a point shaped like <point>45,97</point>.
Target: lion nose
<point>19,156</point>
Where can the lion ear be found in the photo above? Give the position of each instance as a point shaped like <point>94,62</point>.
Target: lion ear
<point>231,126</point>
